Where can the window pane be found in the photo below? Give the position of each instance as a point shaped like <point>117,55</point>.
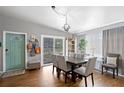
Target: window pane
<point>59,46</point>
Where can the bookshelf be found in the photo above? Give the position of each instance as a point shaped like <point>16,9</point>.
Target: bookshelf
<point>71,46</point>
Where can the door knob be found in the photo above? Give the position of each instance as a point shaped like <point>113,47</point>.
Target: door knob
<point>6,50</point>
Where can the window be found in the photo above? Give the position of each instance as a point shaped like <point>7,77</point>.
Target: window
<point>94,43</point>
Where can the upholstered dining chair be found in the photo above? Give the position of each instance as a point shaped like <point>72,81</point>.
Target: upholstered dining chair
<point>63,66</point>
<point>86,71</point>
<point>80,56</point>
<point>55,64</point>
<point>72,55</point>
<point>111,62</point>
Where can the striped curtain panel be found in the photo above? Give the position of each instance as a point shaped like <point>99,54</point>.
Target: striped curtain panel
<point>113,42</point>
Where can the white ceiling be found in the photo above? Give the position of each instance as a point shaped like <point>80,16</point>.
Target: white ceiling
<point>80,18</point>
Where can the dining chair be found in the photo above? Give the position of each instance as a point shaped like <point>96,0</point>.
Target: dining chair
<point>80,56</point>
<point>63,66</point>
<point>55,64</point>
<point>111,62</point>
<point>86,71</point>
<point>72,55</point>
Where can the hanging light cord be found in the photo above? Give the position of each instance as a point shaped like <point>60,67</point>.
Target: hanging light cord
<point>66,26</point>
<point>54,8</point>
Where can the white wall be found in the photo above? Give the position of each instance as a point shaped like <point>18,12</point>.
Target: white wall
<point>8,23</point>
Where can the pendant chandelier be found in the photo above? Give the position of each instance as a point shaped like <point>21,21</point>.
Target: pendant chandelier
<point>66,25</point>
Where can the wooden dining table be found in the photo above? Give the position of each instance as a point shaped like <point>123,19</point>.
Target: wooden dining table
<point>75,62</point>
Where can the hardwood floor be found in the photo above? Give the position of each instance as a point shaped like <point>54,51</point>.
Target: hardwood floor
<point>45,78</point>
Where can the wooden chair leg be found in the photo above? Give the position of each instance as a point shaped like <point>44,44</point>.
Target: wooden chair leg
<point>58,73</point>
<point>113,73</point>
<point>80,77</point>
<point>85,81</point>
<point>102,69</point>
<point>65,77</point>
<point>92,79</point>
<point>74,77</point>
<point>53,69</point>
<point>117,71</point>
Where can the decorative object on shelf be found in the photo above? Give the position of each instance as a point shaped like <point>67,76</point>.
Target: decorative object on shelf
<point>33,46</point>
<point>29,46</point>
<point>66,25</point>
<point>71,46</point>
<point>37,47</point>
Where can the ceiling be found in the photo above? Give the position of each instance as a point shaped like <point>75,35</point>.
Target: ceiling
<point>80,18</point>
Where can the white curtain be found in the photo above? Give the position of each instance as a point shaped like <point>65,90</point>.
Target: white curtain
<point>94,44</point>
<point>113,42</point>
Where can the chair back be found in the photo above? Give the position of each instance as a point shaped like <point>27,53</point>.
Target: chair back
<point>61,62</point>
<point>90,65</point>
<point>114,55</point>
<point>55,63</point>
<point>80,56</point>
<point>72,55</point>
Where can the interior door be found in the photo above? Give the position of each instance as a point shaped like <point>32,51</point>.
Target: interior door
<point>52,45</point>
<point>15,51</point>
<point>48,49</point>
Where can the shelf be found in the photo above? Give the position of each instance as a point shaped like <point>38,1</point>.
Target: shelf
<point>71,46</point>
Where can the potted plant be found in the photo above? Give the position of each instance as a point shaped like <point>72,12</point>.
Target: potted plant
<point>82,45</point>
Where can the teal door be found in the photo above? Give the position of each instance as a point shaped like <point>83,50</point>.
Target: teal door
<point>15,51</point>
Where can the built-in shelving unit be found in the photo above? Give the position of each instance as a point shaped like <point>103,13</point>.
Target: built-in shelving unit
<point>71,46</point>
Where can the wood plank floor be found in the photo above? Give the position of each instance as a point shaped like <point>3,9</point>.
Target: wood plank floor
<point>45,78</point>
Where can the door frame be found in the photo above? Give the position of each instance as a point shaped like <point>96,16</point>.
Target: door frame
<point>4,47</point>
<point>42,45</point>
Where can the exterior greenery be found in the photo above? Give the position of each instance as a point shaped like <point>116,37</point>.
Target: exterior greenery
<point>82,45</point>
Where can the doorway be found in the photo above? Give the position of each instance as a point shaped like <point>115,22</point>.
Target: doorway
<point>14,51</point>
<point>51,45</point>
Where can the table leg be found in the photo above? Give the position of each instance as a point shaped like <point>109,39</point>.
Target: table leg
<point>73,74</point>
<point>58,72</point>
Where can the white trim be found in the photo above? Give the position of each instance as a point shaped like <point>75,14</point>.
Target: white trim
<point>42,50</point>
<point>4,47</point>
<point>75,45</point>
<point>115,75</point>
<point>26,58</point>
<point>52,36</point>
<point>42,45</point>
<point>102,27</point>
<point>66,47</point>
<point>121,75</point>
<point>12,32</point>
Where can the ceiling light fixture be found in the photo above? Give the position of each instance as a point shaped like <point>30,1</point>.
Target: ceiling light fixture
<point>66,25</point>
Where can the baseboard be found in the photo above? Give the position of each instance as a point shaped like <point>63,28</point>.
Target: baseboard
<point>109,72</point>
<point>121,75</point>
<point>12,73</point>
<point>118,74</point>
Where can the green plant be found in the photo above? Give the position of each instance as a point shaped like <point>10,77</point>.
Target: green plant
<point>82,44</point>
